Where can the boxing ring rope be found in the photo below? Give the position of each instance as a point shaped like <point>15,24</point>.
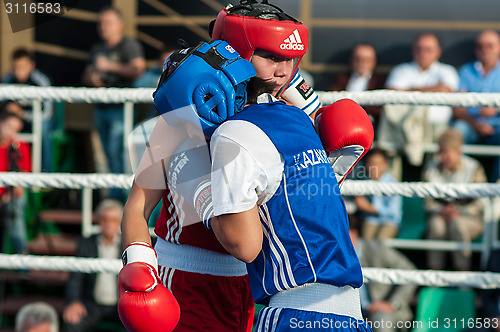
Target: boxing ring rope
<point>381,97</point>
<point>66,180</point>
<point>128,97</point>
<point>349,187</point>
<point>144,95</point>
<point>483,280</point>
<point>88,182</point>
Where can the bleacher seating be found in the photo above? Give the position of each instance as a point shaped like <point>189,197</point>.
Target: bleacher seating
<point>444,309</point>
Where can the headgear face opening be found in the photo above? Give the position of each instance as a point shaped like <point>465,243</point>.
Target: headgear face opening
<point>251,25</point>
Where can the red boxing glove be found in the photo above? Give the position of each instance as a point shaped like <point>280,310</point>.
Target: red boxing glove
<point>145,305</point>
<point>346,133</point>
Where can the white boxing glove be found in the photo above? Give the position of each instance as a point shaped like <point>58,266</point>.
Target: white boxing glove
<point>300,94</point>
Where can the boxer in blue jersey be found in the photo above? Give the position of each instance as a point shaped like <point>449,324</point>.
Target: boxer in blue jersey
<point>278,206</point>
<point>280,210</point>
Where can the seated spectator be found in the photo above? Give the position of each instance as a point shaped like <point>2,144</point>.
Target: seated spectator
<point>15,156</point>
<point>24,71</point>
<point>427,74</point>
<point>381,214</point>
<point>361,76</point>
<point>481,125</point>
<point>381,302</point>
<point>453,219</point>
<point>37,317</point>
<point>92,298</point>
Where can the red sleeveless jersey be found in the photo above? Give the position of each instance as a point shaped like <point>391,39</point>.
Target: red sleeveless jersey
<point>175,213</point>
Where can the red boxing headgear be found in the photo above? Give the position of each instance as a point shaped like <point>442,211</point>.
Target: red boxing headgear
<point>252,26</point>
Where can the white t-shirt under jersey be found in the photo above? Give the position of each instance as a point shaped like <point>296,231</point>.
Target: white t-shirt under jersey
<point>250,178</point>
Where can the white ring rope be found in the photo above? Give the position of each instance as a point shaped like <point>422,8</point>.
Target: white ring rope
<point>381,97</point>
<point>421,189</point>
<point>349,188</point>
<point>73,95</point>
<point>59,263</point>
<point>65,180</point>
<point>483,280</point>
<point>144,95</point>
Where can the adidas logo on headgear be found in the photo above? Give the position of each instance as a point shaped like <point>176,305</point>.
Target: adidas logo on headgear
<point>293,42</point>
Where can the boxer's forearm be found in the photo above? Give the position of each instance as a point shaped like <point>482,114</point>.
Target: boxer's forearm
<point>139,206</point>
<point>240,233</point>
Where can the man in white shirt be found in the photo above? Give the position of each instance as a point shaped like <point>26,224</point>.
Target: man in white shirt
<point>426,74</point>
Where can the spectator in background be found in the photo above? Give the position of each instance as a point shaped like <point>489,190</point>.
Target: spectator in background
<point>427,74</point>
<point>481,125</point>
<point>382,302</point>
<point>362,75</point>
<point>10,106</point>
<point>151,76</point>
<point>381,214</point>
<point>24,71</point>
<point>15,156</point>
<point>149,79</point>
<point>37,317</point>
<point>116,61</point>
<point>92,298</point>
<point>453,219</point>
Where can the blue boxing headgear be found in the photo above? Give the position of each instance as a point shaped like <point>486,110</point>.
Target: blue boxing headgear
<point>206,84</point>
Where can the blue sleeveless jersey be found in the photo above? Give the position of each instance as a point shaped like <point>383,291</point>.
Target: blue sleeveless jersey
<point>306,231</point>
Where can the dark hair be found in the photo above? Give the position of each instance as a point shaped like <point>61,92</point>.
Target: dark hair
<point>111,9</point>
<point>426,33</point>
<point>362,43</point>
<point>5,103</point>
<point>7,115</point>
<point>263,10</point>
<point>169,46</point>
<point>376,151</point>
<point>257,86</point>
<point>23,53</point>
